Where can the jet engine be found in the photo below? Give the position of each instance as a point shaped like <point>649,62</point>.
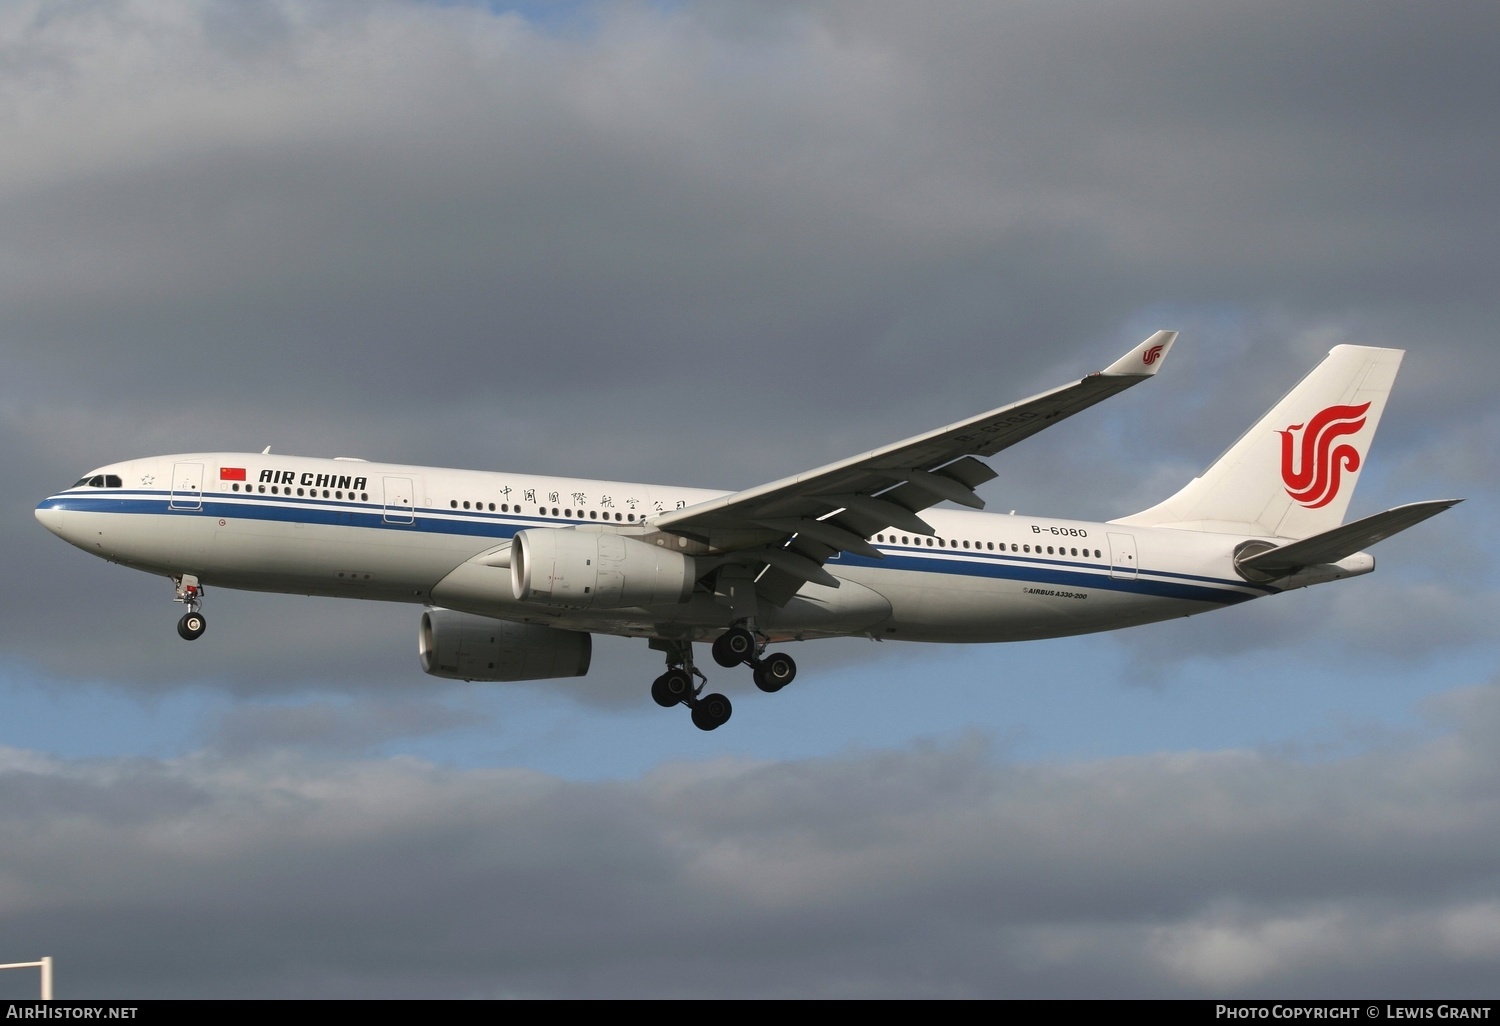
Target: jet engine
<point>581,569</point>
<point>461,646</point>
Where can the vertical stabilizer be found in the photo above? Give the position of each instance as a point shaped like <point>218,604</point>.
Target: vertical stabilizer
<point>1293,473</point>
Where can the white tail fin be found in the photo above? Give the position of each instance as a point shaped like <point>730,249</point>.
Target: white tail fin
<point>1292,474</point>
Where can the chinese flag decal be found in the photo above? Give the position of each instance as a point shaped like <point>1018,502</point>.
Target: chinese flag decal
<point>231,473</point>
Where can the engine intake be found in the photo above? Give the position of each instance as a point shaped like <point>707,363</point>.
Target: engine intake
<point>461,646</point>
<point>581,569</point>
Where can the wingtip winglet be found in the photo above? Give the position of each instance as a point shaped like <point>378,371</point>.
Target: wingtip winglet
<point>1145,359</point>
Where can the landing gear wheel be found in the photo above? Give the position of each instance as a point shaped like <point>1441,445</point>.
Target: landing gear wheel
<point>191,626</point>
<point>711,712</point>
<point>775,672</point>
<point>671,688</point>
<point>733,647</point>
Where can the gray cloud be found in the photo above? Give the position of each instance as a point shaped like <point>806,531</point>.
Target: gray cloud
<point>719,244</point>
<point>932,871</point>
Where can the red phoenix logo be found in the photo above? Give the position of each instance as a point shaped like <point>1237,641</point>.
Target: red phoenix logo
<point>1151,355</point>
<point>1313,479</point>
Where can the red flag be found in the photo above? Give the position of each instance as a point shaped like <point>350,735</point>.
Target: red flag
<point>231,473</point>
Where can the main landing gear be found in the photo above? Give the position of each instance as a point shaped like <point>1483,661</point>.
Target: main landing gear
<point>740,645</point>
<point>735,646</point>
<point>190,593</point>
<point>675,687</point>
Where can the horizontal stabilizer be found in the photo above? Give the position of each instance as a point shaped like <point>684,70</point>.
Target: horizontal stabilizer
<point>1341,542</point>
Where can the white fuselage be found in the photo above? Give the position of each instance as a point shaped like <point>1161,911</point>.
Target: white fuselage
<point>438,536</point>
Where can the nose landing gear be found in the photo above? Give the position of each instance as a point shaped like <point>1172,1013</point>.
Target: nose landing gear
<point>190,593</point>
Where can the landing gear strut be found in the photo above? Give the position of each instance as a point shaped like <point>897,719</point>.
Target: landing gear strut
<point>675,687</point>
<point>190,593</point>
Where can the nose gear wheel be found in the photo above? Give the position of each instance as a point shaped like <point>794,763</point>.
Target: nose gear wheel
<point>190,593</point>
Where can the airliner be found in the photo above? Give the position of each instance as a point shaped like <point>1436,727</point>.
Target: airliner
<point>517,572</point>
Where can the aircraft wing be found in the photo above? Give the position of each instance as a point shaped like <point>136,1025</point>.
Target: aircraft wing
<point>793,525</point>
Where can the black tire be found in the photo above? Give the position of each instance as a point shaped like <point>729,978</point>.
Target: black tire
<point>660,695</point>
<point>191,626</point>
<point>733,647</point>
<point>775,672</point>
<point>712,712</point>
<point>671,688</point>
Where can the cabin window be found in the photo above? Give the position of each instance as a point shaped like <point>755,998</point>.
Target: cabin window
<point>453,503</point>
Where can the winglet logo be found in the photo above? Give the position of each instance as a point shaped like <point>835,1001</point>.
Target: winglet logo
<point>1314,478</point>
<point>1151,355</point>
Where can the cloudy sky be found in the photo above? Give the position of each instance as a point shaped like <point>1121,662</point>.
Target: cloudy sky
<point>714,245</point>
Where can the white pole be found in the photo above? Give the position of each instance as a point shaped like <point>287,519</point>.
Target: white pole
<point>46,967</point>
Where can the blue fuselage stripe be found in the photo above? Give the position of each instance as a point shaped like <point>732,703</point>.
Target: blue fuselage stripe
<point>502,526</point>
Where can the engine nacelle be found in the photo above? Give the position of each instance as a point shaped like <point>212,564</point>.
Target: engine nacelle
<point>582,569</point>
<point>461,646</point>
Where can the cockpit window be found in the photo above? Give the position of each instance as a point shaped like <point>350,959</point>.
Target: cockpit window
<point>99,481</point>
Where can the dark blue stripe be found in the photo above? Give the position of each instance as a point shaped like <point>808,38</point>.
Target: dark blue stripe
<point>500,526</point>
<point>1054,573</point>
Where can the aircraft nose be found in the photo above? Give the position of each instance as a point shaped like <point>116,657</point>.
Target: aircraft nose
<point>50,518</point>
